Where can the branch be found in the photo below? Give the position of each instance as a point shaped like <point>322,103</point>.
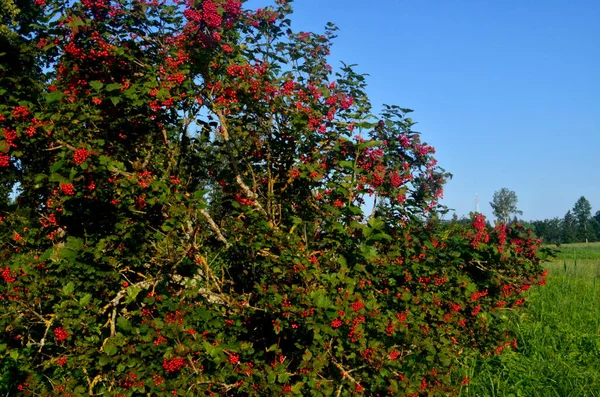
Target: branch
<point>115,302</point>
<point>247,191</point>
<point>215,227</point>
<point>47,323</point>
<point>345,374</point>
<point>201,262</point>
<point>91,383</point>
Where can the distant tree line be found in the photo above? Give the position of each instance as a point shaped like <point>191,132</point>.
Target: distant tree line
<point>577,226</point>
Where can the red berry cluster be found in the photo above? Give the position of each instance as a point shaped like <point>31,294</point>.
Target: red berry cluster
<point>482,234</point>
<point>173,364</point>
<point>243,200</point>
<point>4,160</point>
<point>234,358</point>
<point>158,380</point>
<point>233,7</point>
<point>294,173</point>
<point>68,189</point>
<point>478,295</point>
<point>211,15</point>
<point>131,381</point>
<point>60,334</point>
<point>346,102</point>
<point>8,276</point>
<point>80,155</point>
<point>395,179</point>
<point>20,112</point>
<point>10,136</point>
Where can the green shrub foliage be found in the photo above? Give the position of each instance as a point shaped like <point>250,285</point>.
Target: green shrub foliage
<point>190,219</point>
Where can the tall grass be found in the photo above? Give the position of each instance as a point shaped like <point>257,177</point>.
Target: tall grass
<point>558,337</point>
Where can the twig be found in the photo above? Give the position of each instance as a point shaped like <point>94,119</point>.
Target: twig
<point>192,363</point>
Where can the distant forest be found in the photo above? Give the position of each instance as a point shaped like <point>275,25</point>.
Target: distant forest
<point>576,226</point>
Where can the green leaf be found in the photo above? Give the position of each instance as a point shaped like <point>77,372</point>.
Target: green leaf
<point>110,348</point>
<point>349,165</point>
<point>370,144</point>
<point>297,388</point>
<point>69,288</point>
<point>282,378</point>
<point>376,223</point>
<point>97,85</point>
<point>124,324</point>
<point>40,177</point>
<point>57,166</point>
<point>321,299</point>
<point>380,236</point>
<point>47,254</point>
<point>85,300</point>
<point>130,93</point>
<point>74,243</point>
<point>77,22</point>
<point>199,194</point>
<point>54,96</point>
<point>113,86</point>
<point>115,100</point>
<point>132,292</point>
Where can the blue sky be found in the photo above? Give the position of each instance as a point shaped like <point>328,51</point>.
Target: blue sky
<point>507,91</point>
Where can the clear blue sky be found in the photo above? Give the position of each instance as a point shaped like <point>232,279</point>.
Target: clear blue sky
<point>507,91</point>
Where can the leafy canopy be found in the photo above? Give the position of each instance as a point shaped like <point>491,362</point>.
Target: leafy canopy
<point>504,203</point>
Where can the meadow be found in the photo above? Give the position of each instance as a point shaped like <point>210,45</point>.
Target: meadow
<point>558,337</point>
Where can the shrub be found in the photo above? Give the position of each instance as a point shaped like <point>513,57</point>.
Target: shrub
<point>190,219</point>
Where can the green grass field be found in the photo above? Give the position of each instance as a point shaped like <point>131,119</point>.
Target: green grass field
<point>559,336</point>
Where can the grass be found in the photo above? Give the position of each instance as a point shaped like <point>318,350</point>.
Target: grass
<point>578,251</point>
<point>559,336</point>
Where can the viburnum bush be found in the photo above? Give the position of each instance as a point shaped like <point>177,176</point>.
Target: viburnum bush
<point>203,207</point>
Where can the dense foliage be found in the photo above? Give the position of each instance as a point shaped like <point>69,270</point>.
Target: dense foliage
<point>192,181</point>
